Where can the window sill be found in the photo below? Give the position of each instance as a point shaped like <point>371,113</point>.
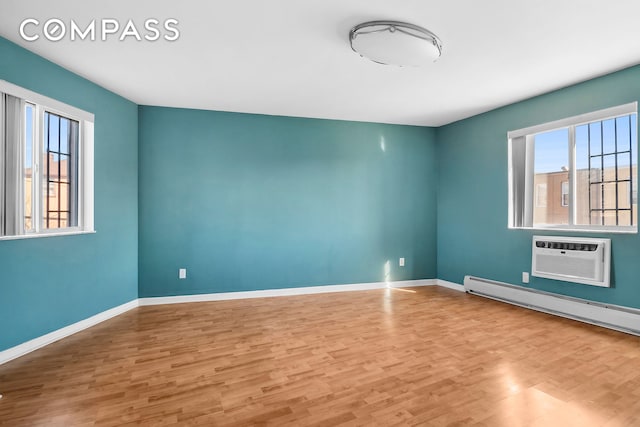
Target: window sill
<point>612,230</point>
<point>53,234</point>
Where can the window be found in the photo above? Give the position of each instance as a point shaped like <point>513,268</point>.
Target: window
<point>576,173</point>
<point>46,165</point>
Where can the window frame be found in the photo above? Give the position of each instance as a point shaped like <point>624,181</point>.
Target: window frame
<point>85,178</point>
<point>526,136</point>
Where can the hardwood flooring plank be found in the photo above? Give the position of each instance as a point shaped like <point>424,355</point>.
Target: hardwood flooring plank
<point>425,356</point>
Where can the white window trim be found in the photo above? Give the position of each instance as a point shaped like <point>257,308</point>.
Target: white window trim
<point>529,133</point>
<point>86,163</point>
<point>608,229</point>
<point>71,232</point>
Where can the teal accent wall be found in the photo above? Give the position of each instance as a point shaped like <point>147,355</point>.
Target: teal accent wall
<point>248,202</point>
<point>473,238</point>
<point>49,283</point>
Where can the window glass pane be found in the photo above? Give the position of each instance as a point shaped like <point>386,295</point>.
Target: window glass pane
<point>565,193</point>
<point>597,190</point>
<point>609,217</point>
<point>624,165</point>
<point>64,165</point>
<point>609,167</point>
<point>624,195</point>
<point>582,147</point>
<point>609,196</point>
<point>541,195</point>
<point>604,178</point>
<point>60,199</point>
<point>623,133</point>
<point>624,217</point>
<point>52,132</point>
<point>609,136</point>
<point>64,132</point>
<point>588,170</point>
<point>595,137</point>
<point>582,200</point>
<point>550,171</point>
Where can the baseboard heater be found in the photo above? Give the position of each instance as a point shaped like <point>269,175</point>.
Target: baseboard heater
<point>610,316</point>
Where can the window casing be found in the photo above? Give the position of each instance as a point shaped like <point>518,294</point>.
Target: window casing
<point>46,166</point>
<point>588,166</point>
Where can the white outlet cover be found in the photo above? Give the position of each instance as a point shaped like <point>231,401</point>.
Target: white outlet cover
<point>525,277</point>
<point>401,262</point>
<point>182,273</point>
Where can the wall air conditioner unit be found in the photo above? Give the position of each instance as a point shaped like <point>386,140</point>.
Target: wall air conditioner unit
<point>572,259</point>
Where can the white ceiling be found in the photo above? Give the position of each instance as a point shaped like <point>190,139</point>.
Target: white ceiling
<point>292,57</point>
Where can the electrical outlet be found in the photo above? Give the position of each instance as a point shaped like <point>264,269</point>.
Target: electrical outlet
<point>525,277</point>
<point>401,262</point>
<point>182,273</point>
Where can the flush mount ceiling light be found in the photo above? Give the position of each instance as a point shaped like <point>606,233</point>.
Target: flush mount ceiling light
<point>395,43</point>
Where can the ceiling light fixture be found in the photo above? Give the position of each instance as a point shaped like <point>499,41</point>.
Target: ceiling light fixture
<point>395,43</point>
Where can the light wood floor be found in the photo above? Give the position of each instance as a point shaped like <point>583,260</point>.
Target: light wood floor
<point>422,356</point>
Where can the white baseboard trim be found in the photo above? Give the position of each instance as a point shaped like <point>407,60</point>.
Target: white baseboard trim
<point>51,337</point>
<point>222,296</point>
<point>450,285</point>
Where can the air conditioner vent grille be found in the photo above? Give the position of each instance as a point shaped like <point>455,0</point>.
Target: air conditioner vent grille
<point>567,246</point>
<point>576,267</point>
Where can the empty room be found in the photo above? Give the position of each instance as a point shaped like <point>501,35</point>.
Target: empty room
<point>288,213</point>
